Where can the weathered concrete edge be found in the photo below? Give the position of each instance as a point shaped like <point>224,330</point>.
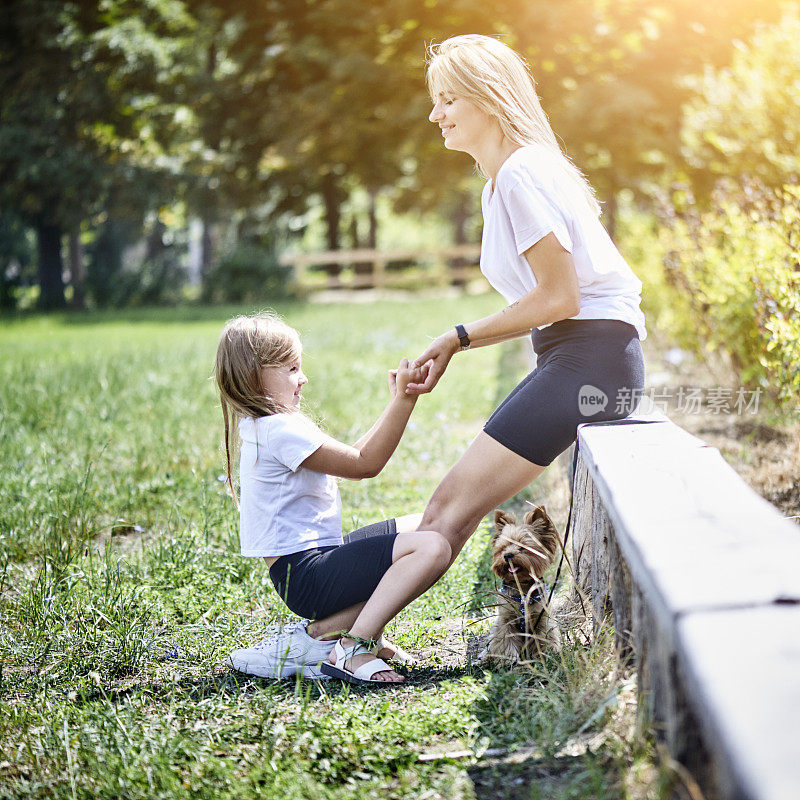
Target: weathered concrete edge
<point>738,781</point>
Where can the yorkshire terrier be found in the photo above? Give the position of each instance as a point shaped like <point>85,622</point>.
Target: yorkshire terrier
<point>521,553</point>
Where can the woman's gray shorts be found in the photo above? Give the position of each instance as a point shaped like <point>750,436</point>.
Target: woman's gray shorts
<point>587,370</point>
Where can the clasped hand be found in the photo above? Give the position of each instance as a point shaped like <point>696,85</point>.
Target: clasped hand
<point>405,375</point>
<point>422,374</point>
<point>432,364</point>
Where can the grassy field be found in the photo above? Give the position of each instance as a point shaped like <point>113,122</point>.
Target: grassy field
<point>122,591</point>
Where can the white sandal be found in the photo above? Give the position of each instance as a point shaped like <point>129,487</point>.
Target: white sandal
<point>363,674</point>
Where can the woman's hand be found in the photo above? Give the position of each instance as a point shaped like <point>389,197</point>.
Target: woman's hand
<point>433,362</point>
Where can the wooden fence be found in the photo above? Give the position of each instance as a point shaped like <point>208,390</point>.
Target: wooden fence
<point>701,577</point>
<point>359,269</point>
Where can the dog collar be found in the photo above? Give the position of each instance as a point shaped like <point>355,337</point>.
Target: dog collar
<point>511,591</point>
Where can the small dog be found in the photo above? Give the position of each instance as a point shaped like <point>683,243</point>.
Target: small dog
<point>521,553</point>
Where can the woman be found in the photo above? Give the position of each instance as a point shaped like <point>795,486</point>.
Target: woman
<point>545,250</point>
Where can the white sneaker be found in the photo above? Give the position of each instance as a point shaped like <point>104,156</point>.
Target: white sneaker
<point>286,653</point>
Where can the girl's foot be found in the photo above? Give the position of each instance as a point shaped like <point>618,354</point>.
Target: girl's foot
<point>352,664</point>
<point>389,651</point>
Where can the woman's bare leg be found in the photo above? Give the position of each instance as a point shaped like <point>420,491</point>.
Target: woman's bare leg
<point>486,475</point>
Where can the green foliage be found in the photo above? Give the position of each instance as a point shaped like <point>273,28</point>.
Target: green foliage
<point>727,279</point>
<point>75,80</point>
<point>745,118</point>
<point>251,273</point>
<point>721,259</point>
<point>115,109</point>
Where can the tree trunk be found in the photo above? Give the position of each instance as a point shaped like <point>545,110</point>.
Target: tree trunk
<point>155,241</point>
<point>77,271</point>
<point>51,266</point>
<point>332,199</point>
<point>355,242</point>
<point>610,214</point>
<point>209,247</point>
<point>459,218</point>
<point>373,221</point>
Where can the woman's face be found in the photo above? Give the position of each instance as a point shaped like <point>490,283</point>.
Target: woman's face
<point>463,125</point>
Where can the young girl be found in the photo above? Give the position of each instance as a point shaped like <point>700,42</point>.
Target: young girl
<point>291,513</point>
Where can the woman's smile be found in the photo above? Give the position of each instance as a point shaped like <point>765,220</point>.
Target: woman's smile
<point>463,125</point>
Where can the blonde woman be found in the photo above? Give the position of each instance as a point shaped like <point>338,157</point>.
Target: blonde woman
<point>545,250</point>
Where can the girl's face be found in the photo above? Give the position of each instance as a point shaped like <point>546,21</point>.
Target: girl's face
<point>463,125</point>
<point>283,383</point>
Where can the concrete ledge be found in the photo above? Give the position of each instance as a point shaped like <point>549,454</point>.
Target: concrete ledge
<point>700,576</point>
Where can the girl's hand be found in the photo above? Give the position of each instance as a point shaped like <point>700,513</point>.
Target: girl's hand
<point>433,362</point>
<point>400,378</point>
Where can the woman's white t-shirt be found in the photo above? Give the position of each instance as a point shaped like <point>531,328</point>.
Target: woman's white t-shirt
<point>534,195</point>
<point>284,507</point>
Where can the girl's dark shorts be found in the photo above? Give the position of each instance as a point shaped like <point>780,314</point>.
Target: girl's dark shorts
<point>317,583</point>
<point>588,370</point>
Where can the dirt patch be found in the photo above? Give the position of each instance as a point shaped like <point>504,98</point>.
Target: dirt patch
<point>124,539</point>
<point>765,453</point>
<point>446,647</point>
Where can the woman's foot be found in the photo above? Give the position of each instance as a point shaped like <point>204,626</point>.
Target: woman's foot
<point>352,664</point>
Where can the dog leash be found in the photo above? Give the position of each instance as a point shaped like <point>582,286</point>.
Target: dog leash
<point>624,421</point>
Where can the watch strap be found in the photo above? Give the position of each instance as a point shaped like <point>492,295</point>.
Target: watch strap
<point>463,338</point>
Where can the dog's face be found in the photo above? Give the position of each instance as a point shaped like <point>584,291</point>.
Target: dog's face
<point>521,552</point>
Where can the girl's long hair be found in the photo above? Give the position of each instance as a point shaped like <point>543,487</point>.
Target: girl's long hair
<point>497,80</point>
<point>246,345</point>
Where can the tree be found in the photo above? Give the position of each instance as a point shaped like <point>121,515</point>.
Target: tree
<point>611,76</point>
<point>75,83</point>
<point>745,117</point>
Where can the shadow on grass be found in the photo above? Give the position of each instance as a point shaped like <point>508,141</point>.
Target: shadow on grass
<point>523,756</point>
<point>548,726</point>
<point>229,684</point>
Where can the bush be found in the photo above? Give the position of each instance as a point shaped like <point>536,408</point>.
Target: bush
<point>251,273</point>
<point>733,278</point>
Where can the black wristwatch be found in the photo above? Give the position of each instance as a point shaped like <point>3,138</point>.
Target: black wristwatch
<point>462,337</point>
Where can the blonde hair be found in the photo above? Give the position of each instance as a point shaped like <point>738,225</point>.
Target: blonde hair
<point>246,345</point>
<point>497,80</point>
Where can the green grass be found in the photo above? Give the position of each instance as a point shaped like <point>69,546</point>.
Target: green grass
<point>122,591</point>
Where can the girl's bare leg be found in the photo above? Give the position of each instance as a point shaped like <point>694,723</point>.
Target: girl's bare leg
<point>331,627</point>
<point>485,476</point>
<point>418,561</point>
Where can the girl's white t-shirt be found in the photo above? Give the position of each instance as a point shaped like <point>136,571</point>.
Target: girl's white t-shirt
<point>284,507</point>
<point>534,195</point>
